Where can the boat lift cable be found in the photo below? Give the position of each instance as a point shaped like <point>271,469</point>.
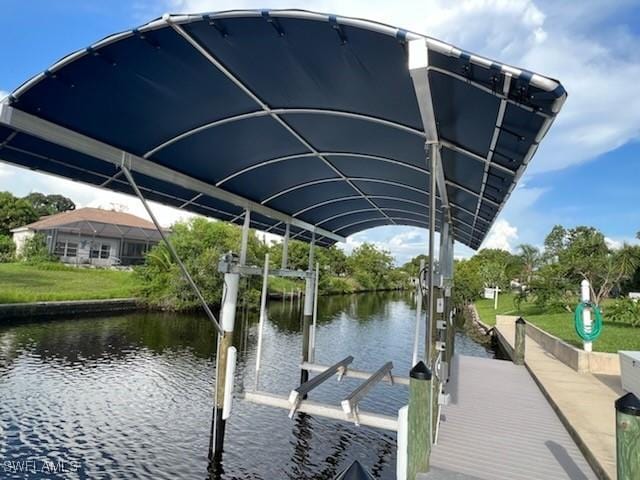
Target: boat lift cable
<point>205,306</point>
<point>173,251</point>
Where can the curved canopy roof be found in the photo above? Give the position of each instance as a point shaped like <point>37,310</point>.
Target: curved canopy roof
<point>305,118</point>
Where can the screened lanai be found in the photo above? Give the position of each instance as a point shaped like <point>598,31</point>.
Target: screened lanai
<point>315,123</point>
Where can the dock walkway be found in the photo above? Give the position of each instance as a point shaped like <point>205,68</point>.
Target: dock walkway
<point>500,426</point>
<point>584,401</point>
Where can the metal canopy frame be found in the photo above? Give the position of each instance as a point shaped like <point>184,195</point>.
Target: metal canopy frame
<point>469,228</point>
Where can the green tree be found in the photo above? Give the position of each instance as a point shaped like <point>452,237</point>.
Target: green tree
<point>14,212</point>
<point>412,267</point>
<point>49,204</point>
<point>200,243</point>
<point>370,266</point>
<point>468,282</point>
<point>497,267</point>
<point>554,242</point>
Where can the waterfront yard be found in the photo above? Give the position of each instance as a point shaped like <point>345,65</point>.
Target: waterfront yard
<point>615,336</point>
<point>20,283</point>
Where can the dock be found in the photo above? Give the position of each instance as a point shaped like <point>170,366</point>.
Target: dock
<point>499,425</point>
<point>584,401</point>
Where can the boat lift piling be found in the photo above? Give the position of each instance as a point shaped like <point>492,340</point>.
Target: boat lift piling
<point>307,315</point>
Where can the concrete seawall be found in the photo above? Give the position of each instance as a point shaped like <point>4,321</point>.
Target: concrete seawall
<point>26,311</point>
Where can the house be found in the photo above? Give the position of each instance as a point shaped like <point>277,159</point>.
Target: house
<point>92,236</point>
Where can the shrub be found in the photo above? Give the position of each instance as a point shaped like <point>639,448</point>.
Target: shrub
<point>625,310</point>
<point>35,250</point>
<point>7,249</point>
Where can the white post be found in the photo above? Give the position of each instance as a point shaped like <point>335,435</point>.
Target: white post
<point>263,315</point>
<point>416,340</point>
<point>495,297</point>
<point>232,354</point>
<point>585,290</point>
<point>312,353</point>
<point>230,298</point>
<point>403,442</point>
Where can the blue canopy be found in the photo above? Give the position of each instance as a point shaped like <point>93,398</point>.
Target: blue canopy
<point>304,118</point>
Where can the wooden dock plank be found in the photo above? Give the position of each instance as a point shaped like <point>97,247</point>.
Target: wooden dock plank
<point>502,427</point>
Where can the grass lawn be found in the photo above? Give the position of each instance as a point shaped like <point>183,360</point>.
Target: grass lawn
<point>20,283</point>
<point>615,336</point>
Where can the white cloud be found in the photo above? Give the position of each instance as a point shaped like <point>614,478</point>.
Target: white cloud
<point>502,235</point>
<point>613,243</point>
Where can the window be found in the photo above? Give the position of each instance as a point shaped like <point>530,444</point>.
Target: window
<point>66,249</point>
<point>59,249</point>
<point>72,249</point>
<point>100,250</point>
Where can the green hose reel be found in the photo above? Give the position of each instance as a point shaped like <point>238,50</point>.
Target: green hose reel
<point>596,325</point>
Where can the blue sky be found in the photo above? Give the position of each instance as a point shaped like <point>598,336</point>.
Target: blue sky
<point>586,171</point>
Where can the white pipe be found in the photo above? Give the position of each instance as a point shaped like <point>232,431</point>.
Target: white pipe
<point>263,314</point>
<point>232,354</point>
<point>416,340</point>
<point>230,298</point>
<point>376,420</point>
<point>585,290</point>
<point>403,443</point>
<point>312,340</point>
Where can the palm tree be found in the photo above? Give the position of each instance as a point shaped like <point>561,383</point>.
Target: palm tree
<point>530,257</point>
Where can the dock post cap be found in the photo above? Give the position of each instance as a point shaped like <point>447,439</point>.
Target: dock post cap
<point>420,371</point>
<point>520,321</point>
<point>628,404</point>
<point>354,472</point>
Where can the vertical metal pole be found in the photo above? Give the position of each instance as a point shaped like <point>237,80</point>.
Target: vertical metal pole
<point>285,248</point>
<point>263,315</point>
<point>245,237</point>
<point>308,311</point>
<point>433,150</point>
<point>312,353</point>
<point>433,147</point>
<point>416,338</point>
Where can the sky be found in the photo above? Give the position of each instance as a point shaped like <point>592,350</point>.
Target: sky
<point>586,171</point>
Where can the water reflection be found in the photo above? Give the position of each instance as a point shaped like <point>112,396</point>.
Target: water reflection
<point>131,396</point>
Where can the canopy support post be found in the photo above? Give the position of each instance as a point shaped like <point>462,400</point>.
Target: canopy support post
<point>419,71</point>
<point>307,315</point>
<point>285,247</point>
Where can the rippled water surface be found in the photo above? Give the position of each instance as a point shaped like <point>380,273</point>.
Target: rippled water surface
<point>130,396</point>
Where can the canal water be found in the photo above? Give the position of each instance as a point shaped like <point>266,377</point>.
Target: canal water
<point>130,396</point>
